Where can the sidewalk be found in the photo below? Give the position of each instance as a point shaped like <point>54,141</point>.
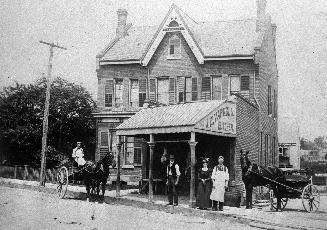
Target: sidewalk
<point>260,217</point>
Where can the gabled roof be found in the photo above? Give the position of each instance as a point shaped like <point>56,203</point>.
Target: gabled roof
<point>132,46</point>
<point>207,40</point>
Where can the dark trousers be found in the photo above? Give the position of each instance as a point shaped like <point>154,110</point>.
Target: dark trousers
<point>248,190</point>
<point>219,204</point>
<point>172,190</point>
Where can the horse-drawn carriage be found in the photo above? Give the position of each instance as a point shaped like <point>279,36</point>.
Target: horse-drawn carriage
<point>92,174</point>
<point>67,173</point>
<point>297,185</point>
<point>283,184</point>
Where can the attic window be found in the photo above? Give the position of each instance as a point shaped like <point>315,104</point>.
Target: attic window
<point>173,24</point>
<point>174,51</point>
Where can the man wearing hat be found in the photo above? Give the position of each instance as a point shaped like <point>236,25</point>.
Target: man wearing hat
<point>78,154</point>
<point>220,178</point>
<point>173,174</point>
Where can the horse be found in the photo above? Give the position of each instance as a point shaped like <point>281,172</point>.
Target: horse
<point>254,175</point>
<point>102,173</point>
<point>96,174</point>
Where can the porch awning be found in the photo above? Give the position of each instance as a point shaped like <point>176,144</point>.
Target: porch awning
<point>216,117</point>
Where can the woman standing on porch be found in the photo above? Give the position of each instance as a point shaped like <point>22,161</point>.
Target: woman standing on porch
<point>204,187</point>
<point>220,178</point>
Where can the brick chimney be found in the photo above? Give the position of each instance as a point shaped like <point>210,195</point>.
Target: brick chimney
<point>121,26</point>
<point>261,14</point>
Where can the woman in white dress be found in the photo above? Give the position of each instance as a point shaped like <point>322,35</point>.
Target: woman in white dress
<point>220,178</point>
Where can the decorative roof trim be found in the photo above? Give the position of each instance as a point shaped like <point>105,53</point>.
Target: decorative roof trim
<point>163,29</point>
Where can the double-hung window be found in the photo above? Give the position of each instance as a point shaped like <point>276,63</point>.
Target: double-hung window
<point>216,87</point>
<point>118,92</point>
<point>184,87</point>
<point>174,47</point>
<point>240,84</point>
<point>137,92</point>
<point>108,93</point>
<point>163,90</point>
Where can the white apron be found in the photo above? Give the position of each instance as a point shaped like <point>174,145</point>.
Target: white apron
<point>219,179</point>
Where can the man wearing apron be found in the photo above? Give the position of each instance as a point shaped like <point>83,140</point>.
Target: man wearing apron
<point>220,178</point>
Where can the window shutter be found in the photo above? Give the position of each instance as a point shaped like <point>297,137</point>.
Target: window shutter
<point>245,83</point>
<point>269,99</point>
<point>194,88</point>
<point>181,88</point>
<point>108,92</point>
<point>152,95</point>
<point>171,90</point>
<point>104,139</point>
<point>275,104</point>
<point>206,88</point>
<point>142,91</point>
<point>142,85</point>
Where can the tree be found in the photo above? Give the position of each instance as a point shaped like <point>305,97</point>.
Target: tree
<point>320,142</point>
<point>70,119</point>
<point>307,144</point>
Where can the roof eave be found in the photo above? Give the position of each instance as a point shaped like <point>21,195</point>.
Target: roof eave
<point>120,62</point>
<point>227,58</point>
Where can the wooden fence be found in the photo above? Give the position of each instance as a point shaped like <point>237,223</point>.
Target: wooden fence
<point>26,173</point>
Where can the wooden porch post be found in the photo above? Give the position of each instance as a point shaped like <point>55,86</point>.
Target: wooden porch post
<point>151,145</point>
<point>118,167</point>
<point>193,161</point>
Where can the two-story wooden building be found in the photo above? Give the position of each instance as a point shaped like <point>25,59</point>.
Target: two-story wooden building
<point>192,88</point>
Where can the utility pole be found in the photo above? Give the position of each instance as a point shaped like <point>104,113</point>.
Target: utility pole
<point>46,112</point>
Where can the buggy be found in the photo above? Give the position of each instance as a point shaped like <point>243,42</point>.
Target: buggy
<point>297,185</point>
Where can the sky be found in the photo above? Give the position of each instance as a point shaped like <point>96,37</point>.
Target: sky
<point>85,27</point>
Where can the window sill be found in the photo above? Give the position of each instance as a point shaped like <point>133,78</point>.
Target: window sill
<point>173,58</point>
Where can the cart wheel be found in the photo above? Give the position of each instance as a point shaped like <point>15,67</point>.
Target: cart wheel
<point>310,198</point>
<point>62,182</point>
<point>273,202</point>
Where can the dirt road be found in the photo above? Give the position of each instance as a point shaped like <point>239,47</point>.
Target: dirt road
<point>25,209</point>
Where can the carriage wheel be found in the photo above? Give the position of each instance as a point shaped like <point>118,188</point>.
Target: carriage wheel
<point>273,202</point>
<point>62,182</point>
<point>310,198</point>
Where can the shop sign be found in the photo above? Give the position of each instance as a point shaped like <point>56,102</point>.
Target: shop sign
<point>221,120</point>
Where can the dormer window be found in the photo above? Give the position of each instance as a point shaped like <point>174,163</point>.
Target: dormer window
<point>174,51</point>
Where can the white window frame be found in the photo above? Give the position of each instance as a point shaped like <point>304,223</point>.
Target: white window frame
<point>221,85</point>
<point>174,56</point>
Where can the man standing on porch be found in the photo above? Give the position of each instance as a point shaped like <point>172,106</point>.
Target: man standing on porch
<point>220,178</point>
<point>173,174</point>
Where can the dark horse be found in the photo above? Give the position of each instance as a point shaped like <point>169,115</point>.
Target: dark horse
<point>254,175</point>
<point>97,174</point>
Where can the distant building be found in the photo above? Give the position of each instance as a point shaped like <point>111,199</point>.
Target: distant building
<point>289,142</point>
<point>314,155</point>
